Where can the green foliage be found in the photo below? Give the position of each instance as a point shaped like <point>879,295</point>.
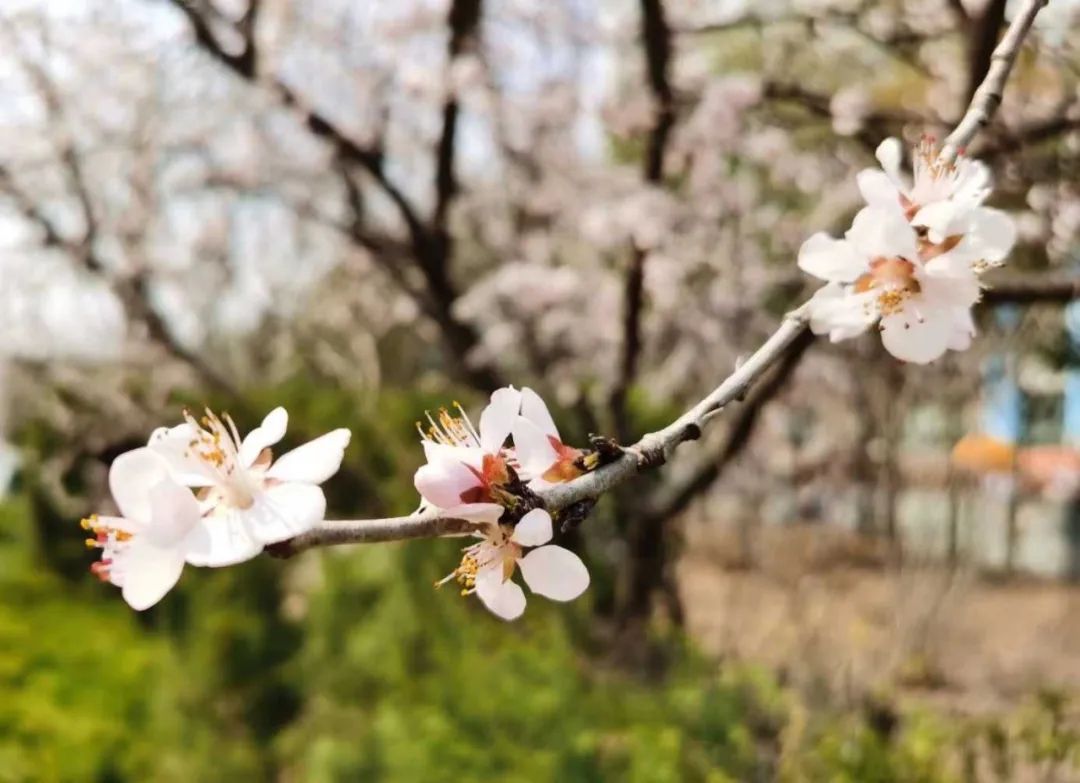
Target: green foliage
<point>349,665</point>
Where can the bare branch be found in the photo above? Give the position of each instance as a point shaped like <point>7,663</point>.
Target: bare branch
<point>1055,289</point>
<point>987,97</point>
<point>651,451</point>
<point>655,448</point>
<point>984,35</point>
<point>656,36</point>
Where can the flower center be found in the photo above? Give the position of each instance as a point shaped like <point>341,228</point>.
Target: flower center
<point>894,278</point>
<point>217,444</point>
<point>450,430</point>
<point>565,467</point>
<point>492,475</point>
<point>481,555</point>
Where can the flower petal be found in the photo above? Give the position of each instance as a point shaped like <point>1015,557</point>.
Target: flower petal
<point>497,419</point>
<point>534,529</point>
<point>502,598</point>
<point>174,513</point>
<point>834,260</point>
<point>147,573</point>
<point>315,461</point>
<point>533,447</point>
<point>883,233</point>
<point>442,483</point>
<point>174,445</point>
<point>475,512</point>
<point>554,572</point>
<point>221,539</point>
<point>841,314</point>
<point>890,154</point>
<point>264,436</point>
<point>131,477</point>
<point>918,335</point>
<point>993,233</point>
<point>878,189</point>
<point>535,410</point>
<point>284,511</point>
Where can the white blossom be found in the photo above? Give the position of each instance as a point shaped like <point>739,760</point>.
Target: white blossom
<point>877,273</point>
<point>541,454</point>
<point>144,549</point>
<point>549,570</point>
<point>247,499</point>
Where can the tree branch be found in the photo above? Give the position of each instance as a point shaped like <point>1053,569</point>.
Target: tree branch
<point>983,37</point>
<point>655,448</point>
<point>656,36</point>
<point>1056,289</point>
<point>987,98</point>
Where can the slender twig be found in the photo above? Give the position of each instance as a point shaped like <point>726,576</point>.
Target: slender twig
<point>655,448</point>
<point>987,98</point>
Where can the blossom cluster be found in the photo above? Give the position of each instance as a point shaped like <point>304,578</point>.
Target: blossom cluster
<point>471,474</point>
<point>913,258</point>
<point>199,494</point>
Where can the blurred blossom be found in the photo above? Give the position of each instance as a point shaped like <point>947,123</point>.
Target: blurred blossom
<point>849,107</point>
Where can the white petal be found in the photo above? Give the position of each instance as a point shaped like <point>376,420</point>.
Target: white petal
<point>497,419</point>
<point>882,233</point>
<point>441,452</point>
<point>963,330</point>
<point>941,219</point>
<point>535,410</point>
<point>878,189</point>
<point>920,338</point>
<point>841,314</point>
<point>174,445</point>
<point>533,447</point>
<point>221,539</point>
<point>834,260</point>
<point>131,477</point>
<point>502,598</point>
<point>284,511</point>
<point>174,514</point>
<point>993,233</point>
<point>315,461</point>
<point>890,154</point>
<point>264,436</point>
<point>148,573</point>
<point>554,572</point>
<point>442,483</point>
<point>534,529</point>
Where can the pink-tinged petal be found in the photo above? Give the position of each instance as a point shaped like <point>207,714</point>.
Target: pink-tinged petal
<point>504,599</point>
<point>878,189</point>
<point>131,477</point>
<point>475,512</point>
<point>147,573</point>
<point>174,513</point>
<point>833,260</point>
<point>264,436</point>
<point>993,234</point>
<point>534,449</point>
<point>497,419</point>
<point>555,573</point>
<point>890,154</point>
<point>315,461</point>
<point>285,511</point>
<point>882,233</point>
<point>221,539</point>
<point>174,445</point>
<point>442,483</point>
<point>536,411</point>
<point>917,337</point>
<point>534,529</point>
<point>441,452</point>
